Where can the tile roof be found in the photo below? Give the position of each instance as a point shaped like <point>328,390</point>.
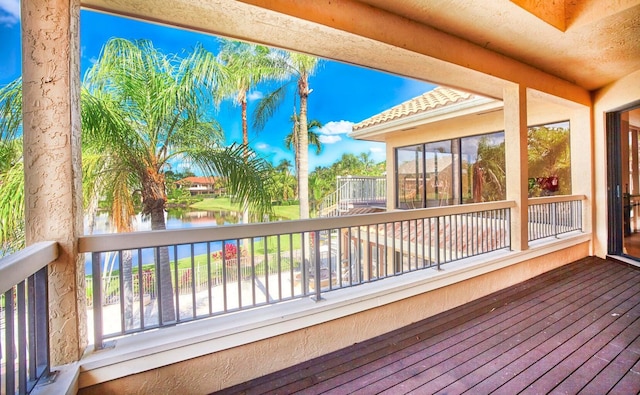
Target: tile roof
<point>436,98</point>
<point>198,180</point>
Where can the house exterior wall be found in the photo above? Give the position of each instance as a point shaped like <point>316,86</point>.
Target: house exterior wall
<point>539,111</point>
<point>239,364</point>
<point>610,98</point>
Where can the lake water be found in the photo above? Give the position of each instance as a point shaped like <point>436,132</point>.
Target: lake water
<point>175,219</point>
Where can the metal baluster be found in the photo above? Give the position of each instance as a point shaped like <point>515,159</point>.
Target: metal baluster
<point>22,338</point>
<point>209,285</point>
<point>10,369</point>
<point>316,258</point>
<point>193,280</point>
<point>42,321</point>
<point>96,274</point>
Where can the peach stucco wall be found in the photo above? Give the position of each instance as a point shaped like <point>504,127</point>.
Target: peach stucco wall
<point>610,98</point>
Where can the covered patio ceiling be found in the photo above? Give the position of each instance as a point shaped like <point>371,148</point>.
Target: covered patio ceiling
<point>463,40</point>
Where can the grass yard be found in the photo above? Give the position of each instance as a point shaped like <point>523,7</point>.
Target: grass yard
<point>212,204</point>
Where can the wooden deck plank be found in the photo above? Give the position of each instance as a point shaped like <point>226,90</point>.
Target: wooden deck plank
<point>382,345</point>
<point>342,362</point>
<point>574,353</point>
<point>559,327</point>
<point>499,345</point>
<point>621,360</point>
<point>630,383</point>
<point>512,344</point>
<point>559,346</point>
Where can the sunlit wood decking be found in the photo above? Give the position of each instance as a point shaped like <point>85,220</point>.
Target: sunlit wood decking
<point>572,330</point>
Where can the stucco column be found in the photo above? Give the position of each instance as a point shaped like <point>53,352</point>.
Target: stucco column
<point>582,164</point>
<point>516,156</point>
<point>51,111</point>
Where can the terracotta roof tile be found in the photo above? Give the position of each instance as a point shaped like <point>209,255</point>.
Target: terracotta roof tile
<point>198,180</point>
<point>438,97</point>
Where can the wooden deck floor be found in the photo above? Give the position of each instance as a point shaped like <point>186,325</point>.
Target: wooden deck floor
<point>573,330</point>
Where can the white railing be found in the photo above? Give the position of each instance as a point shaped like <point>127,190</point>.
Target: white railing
<point>351,191</point>
<point>166,277</point>
<point>554,215</point>
<point>24,318</point>
<point>186,275</point>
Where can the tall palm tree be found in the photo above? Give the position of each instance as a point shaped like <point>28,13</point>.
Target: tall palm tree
<point>247,66</point>
<point>286,182</point>
<point>313,138</point>
<point>144,110</point>
<point>300,68</point>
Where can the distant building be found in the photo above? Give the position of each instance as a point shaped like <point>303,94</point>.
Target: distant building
<point>201,185</point>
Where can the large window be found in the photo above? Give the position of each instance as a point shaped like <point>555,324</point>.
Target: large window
<point>473,170</point>
<point>549,159</point>
<point>410,176</point>
<point>442,173</point>
<point>483,168</point>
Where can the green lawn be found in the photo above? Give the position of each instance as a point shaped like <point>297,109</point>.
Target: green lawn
<point>212,204</point>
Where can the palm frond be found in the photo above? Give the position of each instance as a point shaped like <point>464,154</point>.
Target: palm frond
<point>268,105</point>
<point>12,205</point>
<point>11,110</point>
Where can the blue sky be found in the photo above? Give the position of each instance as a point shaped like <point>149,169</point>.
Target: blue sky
<point>342,94</point>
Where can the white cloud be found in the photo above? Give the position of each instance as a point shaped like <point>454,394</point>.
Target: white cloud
<point>376,149</point>
<point>255,95</point>
<point>9,12</point>
<point>262,147</point>
<point>329,139</point>
<point>336,127</point>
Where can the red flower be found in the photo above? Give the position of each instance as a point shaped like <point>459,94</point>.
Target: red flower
<point>230,252</point>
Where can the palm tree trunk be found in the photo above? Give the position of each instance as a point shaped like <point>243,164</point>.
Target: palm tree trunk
<point>303,149</point>
<point>167,305</point>
<point>245,141</point>
<point>127,288</point>
<point>153,201</point>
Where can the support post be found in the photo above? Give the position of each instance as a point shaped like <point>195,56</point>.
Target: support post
<point>52,164</point>
<point>517,172</point>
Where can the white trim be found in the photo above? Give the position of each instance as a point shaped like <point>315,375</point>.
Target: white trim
<point>156,238</point>
<point>147,351</point>
<point>16,267</point>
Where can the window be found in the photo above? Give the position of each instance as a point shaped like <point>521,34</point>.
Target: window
<point>410,177</point>
<point>483,164</point>
<point>549,159</point>
<point>473,170</point>
<point>442,173</point>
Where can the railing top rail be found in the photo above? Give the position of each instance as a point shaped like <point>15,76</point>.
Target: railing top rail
<point>22,264</point>
<point>556,199</point>
<point>158,238</point>
<point>364,177</point>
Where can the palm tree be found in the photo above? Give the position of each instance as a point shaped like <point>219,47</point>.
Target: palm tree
<point>11,196</point>
<point>11,171</point>
<point>247,66</point>
<point>143,110</point>
<point>291,140</point>
<point>286,183</point>
<point>299,67</point>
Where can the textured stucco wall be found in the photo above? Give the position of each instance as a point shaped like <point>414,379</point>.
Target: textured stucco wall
<point>610,98</point>
<point>51,107</point>
<point>229,367</point>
